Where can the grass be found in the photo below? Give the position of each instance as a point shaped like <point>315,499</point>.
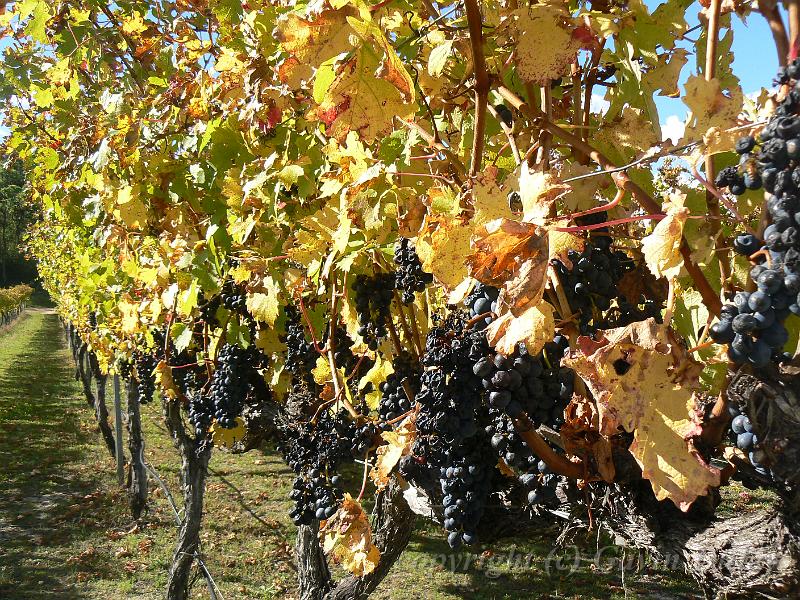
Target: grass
<point>65,532</point>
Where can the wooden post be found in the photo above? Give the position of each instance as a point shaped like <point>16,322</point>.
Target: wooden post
<point>118,431</point>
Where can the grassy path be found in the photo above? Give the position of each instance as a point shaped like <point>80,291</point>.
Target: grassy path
<point>45,449</point>
<point>65,532</point>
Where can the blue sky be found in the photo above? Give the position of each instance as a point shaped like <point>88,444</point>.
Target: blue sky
<point>755,61</point>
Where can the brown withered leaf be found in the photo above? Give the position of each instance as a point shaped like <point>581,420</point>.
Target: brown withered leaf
<point>644,381</point>
<point>511,255</point>
<point>641,281</point>
<point>581,437</point>
<point>348,538</point>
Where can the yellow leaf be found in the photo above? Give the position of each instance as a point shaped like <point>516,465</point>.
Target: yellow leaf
<point>442,252</point>
<point>545,45</point>
<point>644,381</point>
<point>561,242</point>
<point>711,106</point>
<point>535,327</point>
<point>188,299</point>
<point>134,24</point>
<point>399,445</point>
<point>322,371</point>
<point>264,306</point>
<point>392,68</point>
<point>163,373</point>
<point>347,537</point>
<point>130,316</point>
<point>664,75</point>
<point>375,376</point>
<point>661,248</point>
<point>489,200</point>
<point>361,100</point>
<point>538,191</point>
<point>316,40</point>
<point>227,438</point>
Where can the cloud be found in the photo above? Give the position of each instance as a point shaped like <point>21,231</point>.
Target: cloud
<point>673,129</point>
<point>598,104</point>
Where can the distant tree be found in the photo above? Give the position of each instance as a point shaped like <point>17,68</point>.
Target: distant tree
<point>15,215</point>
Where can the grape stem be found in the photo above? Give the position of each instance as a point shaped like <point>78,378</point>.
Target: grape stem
<point>579,228</point>
<point>509,134</point>
<point>364,480</point>
<point>481,82</point>
<point>711,189</point>
<point>558,463</point>
<point>602,208</point>
<point>304,312</point>
<point>337,386</point>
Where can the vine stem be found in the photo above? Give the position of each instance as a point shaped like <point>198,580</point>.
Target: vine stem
<point>364,480</point>
<point>621,180</point>
<point>712,199</point>
<point>558,463</point>
<point>460,172</point>
<point>338,388</point>
<point>711,190</point>
<point>769,8</point>
<point>481,82</point>
<point>579,228</point>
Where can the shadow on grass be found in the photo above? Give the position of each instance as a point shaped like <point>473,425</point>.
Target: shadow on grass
<point>41,442</point>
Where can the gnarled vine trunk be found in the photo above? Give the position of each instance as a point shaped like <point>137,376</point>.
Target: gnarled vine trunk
<point>137,472</point>
<point>392,525</point>
<point>194,470</point>
<point>85,367</point>
<point>746,555</point>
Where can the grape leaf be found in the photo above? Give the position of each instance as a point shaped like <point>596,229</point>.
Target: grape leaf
<point>226,438</point>
<point>511,255</point>
<point>399,443</point>
<point>546,44</point>
<point>347,537</point>
<point>662,248</point>
<point>535,327</point>
<point>644,382</point>
<point>316,40</point>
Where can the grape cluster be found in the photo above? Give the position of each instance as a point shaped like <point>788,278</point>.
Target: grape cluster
<point>208,311</point>
<point>481,300</point>
<point>315,496</point>
<point>93,320</point>
<point>746,439</point>
<point>591,284</point>
<point>449,436</point>
<point>541,485</point>
<point>233,298</point>
<point>301,356</point>
<point>409,277</point>
<point>230,383</point>
<point>201,412</point>
<point>521,383</point>
<point>343,353</point>
<point>507,442</point>
<point>313,450</point>
<point>125,369</point>
<point>753,326</point>
<point>145,364</point>
<point>465,481</point>
<point>373,299</point>
<point>394,400</point>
